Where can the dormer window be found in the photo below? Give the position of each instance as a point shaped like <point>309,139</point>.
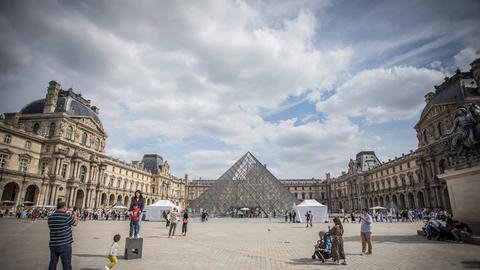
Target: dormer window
<point>36,128</point>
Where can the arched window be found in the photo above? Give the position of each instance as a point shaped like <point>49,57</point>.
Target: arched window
<point>36,128</point>
<point>112,179</point>
<point>7,139</point>
<point>83,174</point>
<point>97,144</point>
<point>425,136</point>
<point>69,133</point>
<point>439,129</point>
<point>84,138</point>
<point>51,130</point>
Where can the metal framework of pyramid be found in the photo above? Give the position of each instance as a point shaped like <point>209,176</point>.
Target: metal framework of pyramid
<point>249,184</point>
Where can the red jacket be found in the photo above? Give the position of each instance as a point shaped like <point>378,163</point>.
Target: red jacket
<point>135,214</point>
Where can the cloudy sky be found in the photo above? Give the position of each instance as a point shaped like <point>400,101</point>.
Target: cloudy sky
<point>303,85</point>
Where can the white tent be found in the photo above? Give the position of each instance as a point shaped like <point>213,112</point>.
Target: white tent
<point>154,211</point>
<point>319,211</point>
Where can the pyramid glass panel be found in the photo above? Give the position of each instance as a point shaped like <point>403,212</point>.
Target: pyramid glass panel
<point>248,183</point>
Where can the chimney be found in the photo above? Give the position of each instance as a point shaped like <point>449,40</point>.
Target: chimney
<point>476,70</point>
<point>327,175</point>
<point>52,97</point>
<point>186,177</point>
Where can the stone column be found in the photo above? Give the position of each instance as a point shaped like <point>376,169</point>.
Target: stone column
<point>74,197</point>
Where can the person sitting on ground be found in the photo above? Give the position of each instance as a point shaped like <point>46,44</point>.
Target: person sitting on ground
<point>113,252</point>
<point>320,247</point>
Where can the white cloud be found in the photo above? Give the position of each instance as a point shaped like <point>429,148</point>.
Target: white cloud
<point>381,95</point>
<point>465,57</point>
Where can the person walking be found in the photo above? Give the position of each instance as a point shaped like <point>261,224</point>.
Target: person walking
<point>336,232</point>
<point>185,222</point>
<point>140,202</point>
<point>307,215</point>
<point>173,222</point>
<point>311,218</point>
<point>60,225</point>
<point>294,216</point>
<point>290,216</point>
<point>366,231</point>
<point>112,256</point>
<point>286,217</point>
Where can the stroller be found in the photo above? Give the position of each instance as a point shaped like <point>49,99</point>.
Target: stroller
<point>323,248</point>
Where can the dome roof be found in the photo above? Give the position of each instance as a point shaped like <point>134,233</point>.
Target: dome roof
<point>65,104</point>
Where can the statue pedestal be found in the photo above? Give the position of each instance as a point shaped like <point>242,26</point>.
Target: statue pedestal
<point>464,191</point>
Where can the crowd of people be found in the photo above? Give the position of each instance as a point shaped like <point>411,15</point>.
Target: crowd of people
<point>391,215</point>
<point>442,227</point>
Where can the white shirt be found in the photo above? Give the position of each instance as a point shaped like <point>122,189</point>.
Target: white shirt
<point>114,249</point>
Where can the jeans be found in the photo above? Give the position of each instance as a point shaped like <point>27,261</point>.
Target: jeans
<point>184,228</point>
<point>65,253</point>
<point>134,228</point>
<point>173,226</point>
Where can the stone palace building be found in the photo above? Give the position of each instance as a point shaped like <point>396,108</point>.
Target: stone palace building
<point>53,149</point>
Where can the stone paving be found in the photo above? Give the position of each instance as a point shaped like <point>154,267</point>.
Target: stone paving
<point>233,244</point>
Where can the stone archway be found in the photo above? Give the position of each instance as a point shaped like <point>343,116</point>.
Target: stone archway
<point>411,201</point>
<point>31,195</point>
<point>119,198</point>
<point>10,192</point>
<point>125,201</point>
<point>395,201</point>
<point>401,203</point>
<point>375,201</point>
<point>103,200</point>
<point>111,200</point>
<point>420,200</point>
<point>80,197</point>
<point>387,200</point>
<point>370,203</point>
<point>381,201</point>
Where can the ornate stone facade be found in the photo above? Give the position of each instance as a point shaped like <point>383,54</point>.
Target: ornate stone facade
<point>53,150</point>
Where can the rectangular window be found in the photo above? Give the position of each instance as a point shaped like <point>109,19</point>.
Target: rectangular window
<point>3,160</point>
<point>28,144</point>
<point>64,170</point>
<point>7,139</point>
<point>23,165</point>
<point>44,168</point>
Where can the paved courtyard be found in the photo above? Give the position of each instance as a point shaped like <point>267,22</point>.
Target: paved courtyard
<point>233,244</point>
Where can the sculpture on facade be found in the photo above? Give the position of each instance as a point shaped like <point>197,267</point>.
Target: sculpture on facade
<point>466,129</point>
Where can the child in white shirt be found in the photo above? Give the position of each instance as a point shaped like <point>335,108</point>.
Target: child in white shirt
<point>112,256</point>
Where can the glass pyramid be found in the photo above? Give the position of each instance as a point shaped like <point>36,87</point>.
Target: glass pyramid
<point>248,184</point>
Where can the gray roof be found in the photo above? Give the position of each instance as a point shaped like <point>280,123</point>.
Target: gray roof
<point>451,91</point>
<point>65,104</point>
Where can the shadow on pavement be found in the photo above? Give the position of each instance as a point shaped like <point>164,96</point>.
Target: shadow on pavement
<point>398,239</point>
<point>309,261</point>
<point>471,264</point>
<point>90,255</point>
